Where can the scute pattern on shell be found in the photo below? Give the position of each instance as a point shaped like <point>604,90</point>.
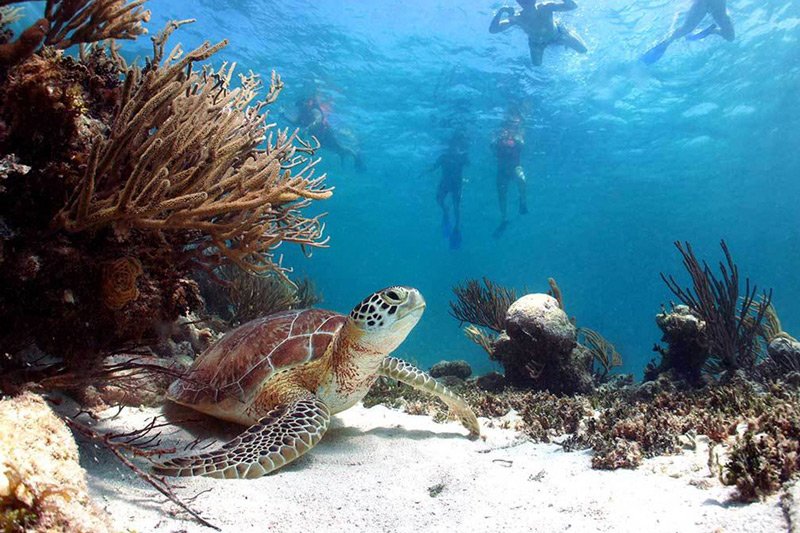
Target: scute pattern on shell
<point>247,356</point>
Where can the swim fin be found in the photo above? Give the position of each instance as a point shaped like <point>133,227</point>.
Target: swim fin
<point>500,229</point>
<point>702,34</point>
<point>655,53</point>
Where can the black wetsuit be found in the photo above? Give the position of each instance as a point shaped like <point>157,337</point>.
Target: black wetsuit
<point>452,164</point>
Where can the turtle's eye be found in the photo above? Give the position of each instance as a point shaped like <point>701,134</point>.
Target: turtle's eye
<point>394,296</point>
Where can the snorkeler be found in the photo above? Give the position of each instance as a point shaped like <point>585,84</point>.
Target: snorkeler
<point>722,26</point>
<point>507,145</point>
<point>312,117</point>
<point>538,22</point>
<point>452,163</point>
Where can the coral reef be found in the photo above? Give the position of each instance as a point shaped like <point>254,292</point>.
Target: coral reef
<point>533,338</point>
<point>731,326</point>
<point>491,382</point>
<point>603,353</point>
<point>42,486</point>
<point>70,22</point>
<point>109,207</point>
<point>767,455</point>
<point>539,348</point>
<point>483,306</point>
<point>687,346</point>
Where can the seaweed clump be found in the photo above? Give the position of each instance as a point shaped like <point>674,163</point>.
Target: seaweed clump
<point>136,179</point>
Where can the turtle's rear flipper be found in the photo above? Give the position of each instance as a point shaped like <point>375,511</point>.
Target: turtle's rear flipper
<point>398,369</point>
<point>287,432</point>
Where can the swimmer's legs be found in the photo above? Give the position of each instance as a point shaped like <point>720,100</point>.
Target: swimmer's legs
<point>691,20</point>
<point>570,39</point>
<point>537,53</point>
<point>519,177</point>
<point>455,235</point>
<point>502,196</point>
<point>441,194</point>
<point>723,20</point>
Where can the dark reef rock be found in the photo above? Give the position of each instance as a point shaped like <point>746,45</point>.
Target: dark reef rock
<point>785,351</point>
<point>453,382</point>
<point>687,346</point>
<point>459,369</point>
<point>539,349</point>
<point>491,382</point>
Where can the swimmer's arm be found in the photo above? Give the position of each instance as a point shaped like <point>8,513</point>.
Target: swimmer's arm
<point>564,5</point>
<point>317,119</point>
<point>502,24</point>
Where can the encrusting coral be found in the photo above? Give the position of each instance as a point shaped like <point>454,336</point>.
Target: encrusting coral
<point>42,486</point>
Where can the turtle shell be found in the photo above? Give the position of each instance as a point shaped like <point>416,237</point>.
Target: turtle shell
<point>249,355</point>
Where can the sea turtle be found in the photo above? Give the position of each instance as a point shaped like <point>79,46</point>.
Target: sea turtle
<point>284,375</point>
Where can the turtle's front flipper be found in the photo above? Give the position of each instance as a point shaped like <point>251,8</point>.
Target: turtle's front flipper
<point>398,369</point>
<point>284,434</point>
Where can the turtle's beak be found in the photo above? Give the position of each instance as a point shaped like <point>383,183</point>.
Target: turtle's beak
<point>415,305</point>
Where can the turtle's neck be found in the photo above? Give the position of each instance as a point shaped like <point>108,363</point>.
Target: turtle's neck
<point>353,356</point>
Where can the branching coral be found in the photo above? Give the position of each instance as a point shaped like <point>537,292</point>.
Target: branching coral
<point>731,327</point>
<point>172,171</point>
<point>483,306</point>
<point>603,352</point>
<point>481,338</point>
<point>183,155</point>
<point>242,296</point>
<point>70,22</point>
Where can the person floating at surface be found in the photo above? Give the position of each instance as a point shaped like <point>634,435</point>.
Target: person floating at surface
<point>312,117</point>
<point>698,9</point>
<point>452,163</point>
<point>507,145</point>
<point>536,19</point>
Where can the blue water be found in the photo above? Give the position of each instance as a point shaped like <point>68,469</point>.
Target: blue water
<point>622,159</point>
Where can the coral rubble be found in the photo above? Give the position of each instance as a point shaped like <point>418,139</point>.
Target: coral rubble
<point>757,427</point>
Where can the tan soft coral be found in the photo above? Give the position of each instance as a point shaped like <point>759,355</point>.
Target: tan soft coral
<point>187,152</point>
<point>42,486</point>
<point>70,22</point>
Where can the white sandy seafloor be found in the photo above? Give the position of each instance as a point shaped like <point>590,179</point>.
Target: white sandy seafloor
<point>381,470</point>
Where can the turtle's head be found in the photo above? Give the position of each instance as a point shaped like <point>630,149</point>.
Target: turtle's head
<point>387,316</point>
